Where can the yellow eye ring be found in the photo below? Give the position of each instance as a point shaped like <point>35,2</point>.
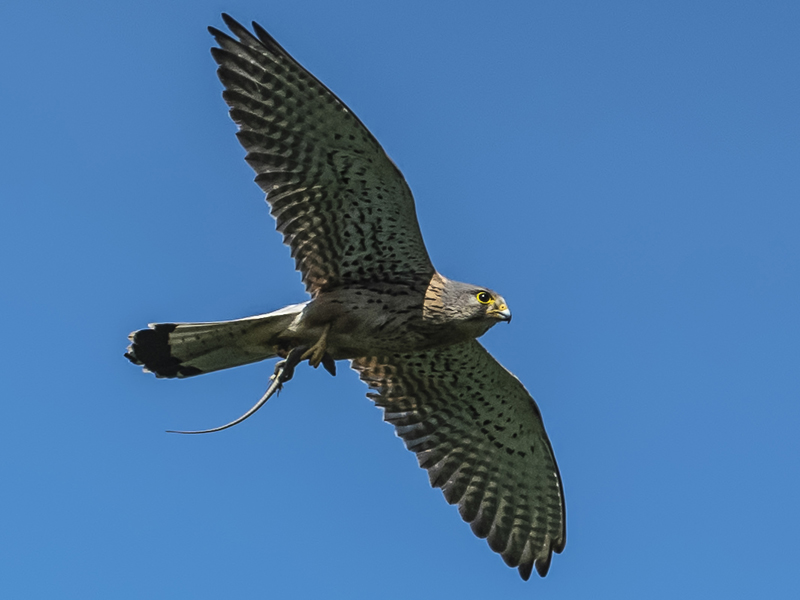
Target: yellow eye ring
<point>484,298</point>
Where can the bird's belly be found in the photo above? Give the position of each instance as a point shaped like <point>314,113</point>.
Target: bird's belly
<point>370,322</point>
<point>369,333</point>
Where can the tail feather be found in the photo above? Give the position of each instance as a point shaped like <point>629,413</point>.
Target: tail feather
<point>188,349</point>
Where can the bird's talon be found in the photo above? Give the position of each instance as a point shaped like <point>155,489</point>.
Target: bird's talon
<point>329,364</point>
<point>319,350</point>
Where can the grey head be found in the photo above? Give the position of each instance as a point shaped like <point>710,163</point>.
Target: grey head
<point>472,308</point>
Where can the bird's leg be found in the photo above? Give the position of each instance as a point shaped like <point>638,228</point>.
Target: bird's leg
<point>284,370</point>
<point>318,351</point>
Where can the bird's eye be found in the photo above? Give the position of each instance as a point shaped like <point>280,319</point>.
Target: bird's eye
<point>484,297</point>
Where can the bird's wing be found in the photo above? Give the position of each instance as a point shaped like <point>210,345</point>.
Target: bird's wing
<point>342,206</point>
<point>480,435</point>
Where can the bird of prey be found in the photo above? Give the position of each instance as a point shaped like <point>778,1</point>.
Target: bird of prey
<point>348,216</point>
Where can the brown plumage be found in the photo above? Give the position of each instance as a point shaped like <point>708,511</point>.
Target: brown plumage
<point>348,216</point>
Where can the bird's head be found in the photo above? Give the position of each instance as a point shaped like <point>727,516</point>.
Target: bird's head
<point>490,305</point>
<point>472,307</point>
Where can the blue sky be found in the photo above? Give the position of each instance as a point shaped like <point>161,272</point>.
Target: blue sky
<point>626,174</point>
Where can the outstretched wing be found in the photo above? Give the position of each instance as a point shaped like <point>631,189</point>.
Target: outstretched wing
<point>342,206</point>
<point>480,435</point>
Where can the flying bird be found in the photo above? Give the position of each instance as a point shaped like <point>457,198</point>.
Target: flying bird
<point>348,216</point>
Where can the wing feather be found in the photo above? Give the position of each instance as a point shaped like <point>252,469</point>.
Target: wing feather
<point>342,206</point>
<point>480,435</point>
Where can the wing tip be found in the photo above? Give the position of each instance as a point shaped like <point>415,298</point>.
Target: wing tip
<point>525,570</point>
<point>543,564</point>
<point>232,23</point>
<point>244,36</point>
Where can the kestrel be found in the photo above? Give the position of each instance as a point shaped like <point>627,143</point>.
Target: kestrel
<point>348,216</point>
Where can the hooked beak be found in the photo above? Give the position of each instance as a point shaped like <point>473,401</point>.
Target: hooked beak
<point>501,313</point>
